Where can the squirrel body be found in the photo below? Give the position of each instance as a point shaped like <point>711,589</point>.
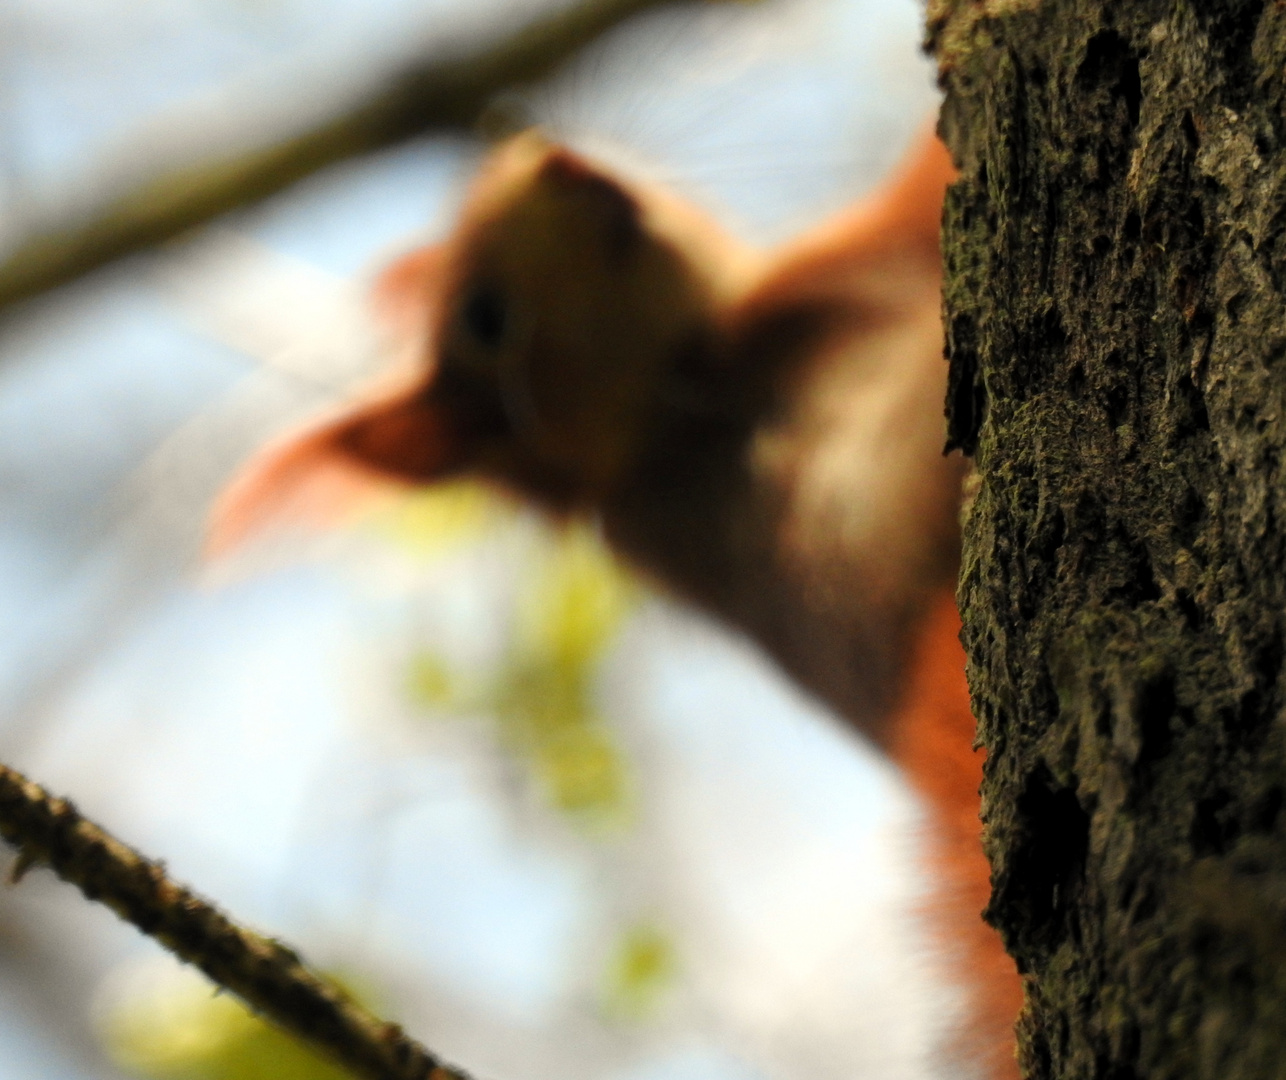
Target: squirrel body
<point>760,433</point>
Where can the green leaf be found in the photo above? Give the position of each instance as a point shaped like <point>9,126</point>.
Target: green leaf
<point>429,681</point>
<point>642,967</point>
<point>184,1031</point>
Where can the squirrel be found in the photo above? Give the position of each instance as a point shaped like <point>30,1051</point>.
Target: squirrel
<point>760,433</point>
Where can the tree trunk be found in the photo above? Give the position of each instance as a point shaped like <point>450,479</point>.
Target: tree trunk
<point>1115,268</point>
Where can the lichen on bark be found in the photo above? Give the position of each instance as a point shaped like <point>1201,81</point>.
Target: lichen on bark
<point>1116,265</point>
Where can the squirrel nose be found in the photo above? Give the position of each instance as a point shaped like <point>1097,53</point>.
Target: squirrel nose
<point>596,197</point>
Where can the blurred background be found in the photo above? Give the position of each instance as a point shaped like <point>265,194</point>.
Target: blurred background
<point>554,823</point>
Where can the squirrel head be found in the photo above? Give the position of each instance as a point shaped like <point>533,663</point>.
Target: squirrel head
<point>552,320</point>
<point>568,299</point>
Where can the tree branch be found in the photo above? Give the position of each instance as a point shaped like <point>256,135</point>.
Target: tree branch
<point>443,92</point>
<point>267,975</point>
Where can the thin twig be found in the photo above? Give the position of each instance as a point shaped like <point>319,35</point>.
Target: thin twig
<point>267,975</point>
<point>443,92</point>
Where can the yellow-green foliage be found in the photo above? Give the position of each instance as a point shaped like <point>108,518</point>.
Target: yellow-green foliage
<point>187,1032</point>
<point>430,682</point>
<point>544,698</point>
<point>571,603</point>
<point>572,600</point>
<point>433,519</point>
<point>642,967</point>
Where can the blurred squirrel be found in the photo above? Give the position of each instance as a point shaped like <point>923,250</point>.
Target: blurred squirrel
<point>762,434</point>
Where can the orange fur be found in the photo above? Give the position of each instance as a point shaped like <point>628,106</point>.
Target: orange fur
<point>406,292</point>
<point>905,213</point>
<point>329,473</point>
<point>931,741</point>
<point>761,434</point>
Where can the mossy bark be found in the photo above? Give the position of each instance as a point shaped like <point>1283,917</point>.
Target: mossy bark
<point>1116,261</point>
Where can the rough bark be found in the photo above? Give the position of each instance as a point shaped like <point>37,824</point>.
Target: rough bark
<point>1114,304</point>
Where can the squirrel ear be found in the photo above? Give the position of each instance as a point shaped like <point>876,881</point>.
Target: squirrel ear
<point>326,473</point>
<point>407,293</point>
<point>412,438</point>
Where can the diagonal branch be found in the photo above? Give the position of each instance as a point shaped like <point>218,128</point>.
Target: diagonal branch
<point>443,92</point>
<point>267,975</point>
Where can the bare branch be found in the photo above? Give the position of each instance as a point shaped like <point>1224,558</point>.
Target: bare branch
<point>267,975</point>
<point>443,92</point>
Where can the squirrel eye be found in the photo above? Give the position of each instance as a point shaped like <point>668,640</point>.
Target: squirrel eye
<point>485,315</point>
